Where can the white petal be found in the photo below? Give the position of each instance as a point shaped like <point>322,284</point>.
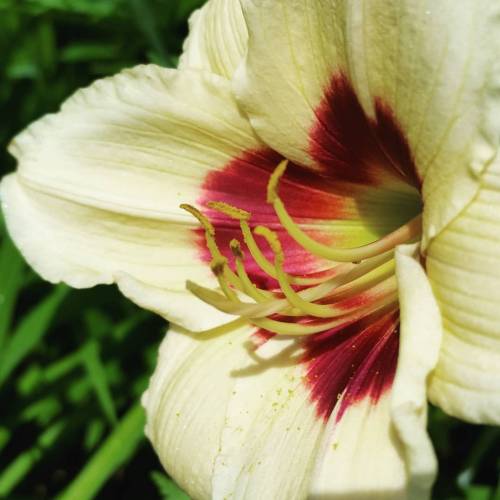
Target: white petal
<point>463,264</point>
<point>361,456</point>
<point>97,193</point>
<point>432,65</point>
<point>186,404</point>
<point>217,38</point>
<point>232,421</point>
<point>420,340</point>
<point>226,424</point>
<point>272,430</point>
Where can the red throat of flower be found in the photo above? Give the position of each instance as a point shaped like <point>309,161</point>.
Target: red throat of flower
<point>345,316</point>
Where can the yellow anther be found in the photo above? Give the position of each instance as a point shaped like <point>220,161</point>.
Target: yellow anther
<point>243,217</point>
<point>212,246</point>
<point>220,268</point>
<point>248,287</point>
<point>236,248</point>
<point>218,265</point>
<point>206,224</point>
<point>272,185</point>
<point>229,210</point>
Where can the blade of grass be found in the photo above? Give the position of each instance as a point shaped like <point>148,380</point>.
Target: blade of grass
<point>5,435</point>
<point>146,21</point>
<point>62,366</point>
<point>97,376</point>
<point>496,496</point>
<point>478,493</point>
<point>11,271</point>
<point>486,440</point>
<point>23,463</point>
<point>114,452</point>
<point>30,331</point>
<point>42,410</point>
<point>167,489</point>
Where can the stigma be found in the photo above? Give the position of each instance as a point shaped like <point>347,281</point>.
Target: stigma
<point>359,281</point>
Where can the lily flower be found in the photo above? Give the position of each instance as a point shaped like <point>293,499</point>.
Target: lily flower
<point>324,177</point>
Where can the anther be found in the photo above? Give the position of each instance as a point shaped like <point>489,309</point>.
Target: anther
<point>212,245</point>
<point>206,224</point>
<point>229,210</point>
<point>235,247</point>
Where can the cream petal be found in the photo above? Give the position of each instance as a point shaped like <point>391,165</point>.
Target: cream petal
<point>361,456</point>
<point>234,418</point>
<point>430,65</point>
<point>225,423</point>
<point>272,430</point>
<point>186,404</point>
<point>97,192</point>
<point>463,264</point>
<point>217,38</point>
<point>420,340</point>
<point>393,429</point>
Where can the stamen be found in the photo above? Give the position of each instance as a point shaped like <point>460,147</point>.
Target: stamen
<point>248,287</point>
<point>284,328</point>
<point>355,254</point>
<point>366,272</point>
<point>220,330</point>
<point>296,329</point>
<point>212,244</point>
<point>218,266</point>
<point>237,307</point>
<point>307,307</point>
<point>229,210</point>
<point>243,217</point>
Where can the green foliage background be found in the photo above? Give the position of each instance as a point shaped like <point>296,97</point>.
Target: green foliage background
<point>74,363</point>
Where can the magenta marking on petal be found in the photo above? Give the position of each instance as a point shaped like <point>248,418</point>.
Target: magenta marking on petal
<point>351,147</point>
<point>352,363</point>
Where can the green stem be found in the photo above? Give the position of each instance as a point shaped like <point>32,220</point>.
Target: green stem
<point>114,452</point>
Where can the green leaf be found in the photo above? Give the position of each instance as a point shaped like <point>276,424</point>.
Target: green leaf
<point>29,381</point>
<point>93,434</point>
<point>476,492</point>
<point>5,435</point>
<point>62,367</point>
<point>23,463</point>
<point>30,331</point>
<point>146,21</point>
<point>42,411</point>
<point>114,452</point>
<point>83,52</point>
<point>94,8</point>
<point>167,489</point>
<point>97,376</point>
<point>12,269</point>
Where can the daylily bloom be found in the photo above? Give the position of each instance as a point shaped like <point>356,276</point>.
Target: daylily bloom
<point>324,177</point>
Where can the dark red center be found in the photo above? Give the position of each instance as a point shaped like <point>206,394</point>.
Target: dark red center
<point>353,153</point>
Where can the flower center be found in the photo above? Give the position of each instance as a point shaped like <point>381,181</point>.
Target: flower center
<point>360,281</point>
